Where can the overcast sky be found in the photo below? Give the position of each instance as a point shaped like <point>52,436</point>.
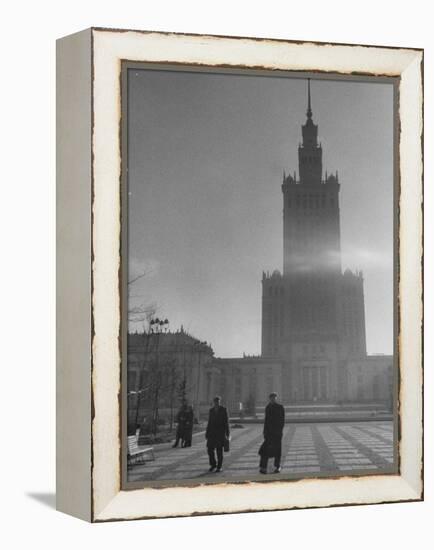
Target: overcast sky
<point>206,157</point>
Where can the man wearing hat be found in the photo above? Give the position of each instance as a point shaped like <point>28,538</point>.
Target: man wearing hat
<point>273,431</point>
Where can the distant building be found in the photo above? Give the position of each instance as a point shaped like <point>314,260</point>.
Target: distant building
<point>371,379</point>
<point>160,365</point>
<point>246,382</point>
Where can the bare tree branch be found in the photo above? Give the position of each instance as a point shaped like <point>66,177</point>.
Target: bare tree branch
<point>142,312</point>
<point>140,276</point>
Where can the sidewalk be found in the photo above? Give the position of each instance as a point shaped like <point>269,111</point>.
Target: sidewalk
<point>168,444</point>
<point>307,449</point>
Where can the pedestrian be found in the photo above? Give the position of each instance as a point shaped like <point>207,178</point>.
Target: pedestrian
<point>181,419</point>
<point>217,433</point>
<point>273,430</point>
<point>188,426</point>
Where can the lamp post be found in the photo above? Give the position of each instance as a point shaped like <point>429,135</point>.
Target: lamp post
<point>156,327</point>
<point>200,347</point>
<point>141,390</point>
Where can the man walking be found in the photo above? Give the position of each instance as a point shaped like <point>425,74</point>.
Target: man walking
<point>273,430</point>
<point>217,431</point>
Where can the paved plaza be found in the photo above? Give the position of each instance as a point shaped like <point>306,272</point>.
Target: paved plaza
<point>325,448</point>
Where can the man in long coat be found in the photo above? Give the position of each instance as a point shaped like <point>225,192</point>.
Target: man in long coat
<point>273,431</point>
<point>184,430</point>
<point>217,431</point>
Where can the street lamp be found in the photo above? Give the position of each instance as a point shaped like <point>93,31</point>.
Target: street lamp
<point>156,327</point>
<point>201,347</point>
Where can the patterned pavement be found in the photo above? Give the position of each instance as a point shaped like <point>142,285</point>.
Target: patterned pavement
<point>325,448</point>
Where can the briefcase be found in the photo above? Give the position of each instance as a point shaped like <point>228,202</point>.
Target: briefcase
<point>226,445</point>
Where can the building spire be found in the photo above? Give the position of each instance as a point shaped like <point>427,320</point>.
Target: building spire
<point>309,108</point>
<point>309,152</point>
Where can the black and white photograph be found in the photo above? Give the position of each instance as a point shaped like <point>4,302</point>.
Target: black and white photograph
<point>259,275</point>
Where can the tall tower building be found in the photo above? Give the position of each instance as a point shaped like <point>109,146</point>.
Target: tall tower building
<point>312,315</point>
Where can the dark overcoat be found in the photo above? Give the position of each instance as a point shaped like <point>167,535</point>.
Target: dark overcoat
<point>217,429</point>
<point>273,430</point>
<point>188,424</point>
<point>180,419</point>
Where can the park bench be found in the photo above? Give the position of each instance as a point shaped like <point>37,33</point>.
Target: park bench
<point>138,454</point>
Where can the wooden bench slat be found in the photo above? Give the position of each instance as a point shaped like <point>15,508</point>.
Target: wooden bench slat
<point>135,450</point>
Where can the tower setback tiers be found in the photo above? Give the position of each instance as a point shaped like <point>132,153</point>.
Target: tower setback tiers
<point>311,232</point>
<point>313,316</point>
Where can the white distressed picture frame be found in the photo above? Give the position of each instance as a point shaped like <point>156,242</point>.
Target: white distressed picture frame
<point>88,268</point>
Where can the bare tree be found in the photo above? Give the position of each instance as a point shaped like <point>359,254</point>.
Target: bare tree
<point>137,278</point>
<point>141,312</point>
<point>182,390</point>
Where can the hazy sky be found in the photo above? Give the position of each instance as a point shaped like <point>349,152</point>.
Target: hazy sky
<point>206,157</point>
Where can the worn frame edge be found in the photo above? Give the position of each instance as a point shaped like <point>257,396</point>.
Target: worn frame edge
<point>73,274</point>
<point>411,487</point>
